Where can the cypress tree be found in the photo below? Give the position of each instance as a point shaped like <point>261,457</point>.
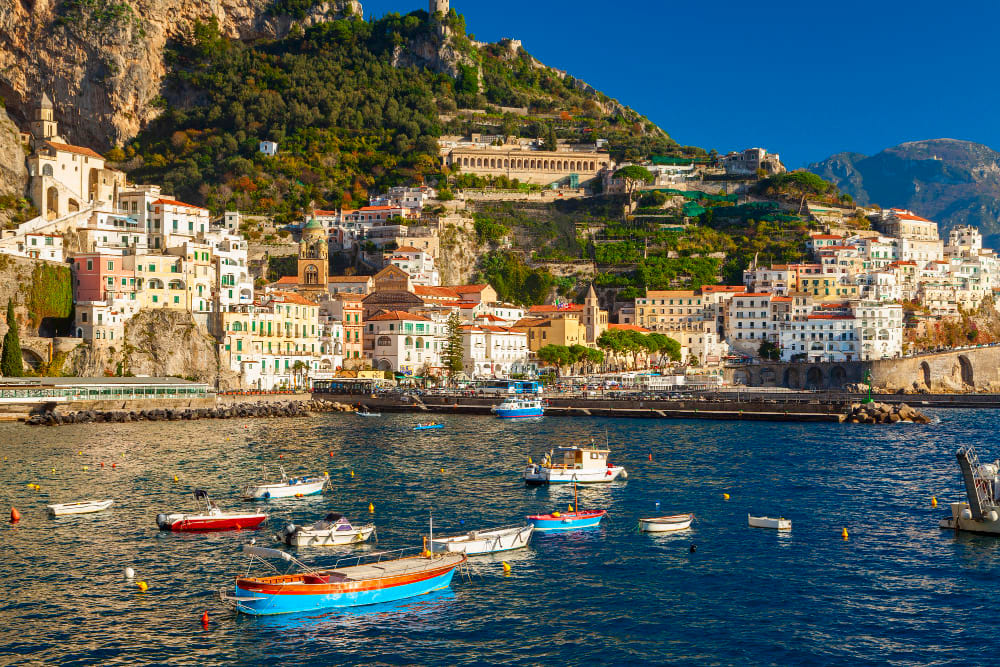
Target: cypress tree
<point>11,364</point>
<point>454,351</point>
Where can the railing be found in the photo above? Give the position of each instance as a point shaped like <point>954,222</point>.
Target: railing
<point>377,558</point>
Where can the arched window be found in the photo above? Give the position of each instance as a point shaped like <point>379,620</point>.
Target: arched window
<point>420,343</point>
<point>47,170</point>
<point>237,326</point>
<point>409,342</point>
<point>384,341</point>
<point>311,275</point>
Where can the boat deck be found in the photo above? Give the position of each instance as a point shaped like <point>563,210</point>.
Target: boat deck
<point>369,571</point>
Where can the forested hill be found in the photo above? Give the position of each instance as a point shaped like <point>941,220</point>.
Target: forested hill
<point>355,106</point>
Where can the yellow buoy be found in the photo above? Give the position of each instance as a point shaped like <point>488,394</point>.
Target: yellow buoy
<point>175,478</point>
<point>371,507</point>
<point>843,533</point>
<point>556,514</point>
<point>85,468</point>
<point>143,586</point>
<point>80,452</point>
<point>506,567</point>
<point>529,460</point>
<point>569,508</point>
<point>725,496</point>
<point>442,471</point>
<point>352,473</point>
<point>53,470</point>
<point>933,501</point>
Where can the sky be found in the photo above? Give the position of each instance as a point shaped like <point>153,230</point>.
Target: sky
<point>802,79</point>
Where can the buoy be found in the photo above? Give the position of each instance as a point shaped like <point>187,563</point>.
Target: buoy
<point>281,456</point>
<point>371,507</point>
<point>326,474</point>
<point>114,465</point>
<point>651,456</point>
<point>352,473</point>
<point>53,470</point>
<point>725,496</point>
<point>80,452</point>
<point>129,573</point>
<point>442,471</point>
<point>84,468</point>
<point>933,501</point>
<point>843,533</point>
<point>529,460</point>
<point>506,567</point>
<point>556,515</point>
<point>298,495</point>
<point>102,464</point>
<point>175,478</point>
<point>692,548</point>
<point>569,508</point>
<point>331,454</point>
<point>143,587</point>
<point>15,516</point>
<point>204,619</point>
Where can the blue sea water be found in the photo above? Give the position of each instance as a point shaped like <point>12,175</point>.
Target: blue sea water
<point>898,591</point>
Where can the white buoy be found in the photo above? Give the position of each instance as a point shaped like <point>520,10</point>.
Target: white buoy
<point>129,573</point>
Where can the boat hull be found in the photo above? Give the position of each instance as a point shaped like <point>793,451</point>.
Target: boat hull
<point>271,491</point>
<point>987,526</point>
<point>257,600</point>
<point>536,475</point>
<point>665,524</point>
<point>87,507</point>
<point>518,412</point>
<point>205,524</point>
<point>767,522</point>
<point>568,521</point>
<point>329,538</point>
<point>427,428</point>
<point>486,542</point>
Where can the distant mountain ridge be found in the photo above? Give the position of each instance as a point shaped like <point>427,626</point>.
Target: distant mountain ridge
<point>950,181</point>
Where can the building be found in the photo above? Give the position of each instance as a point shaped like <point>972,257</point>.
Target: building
<point>348,310</point>
<point>361,285</point>
<point>314,258</point>
<point>404,342</point>
<point>417,263</point>
<point>494,351</point>
<point>748,162</point>
<point>902,224</point>
<point>595,320</point>
<point>269,148</point>
<point>564,329</point>
<point>520,159</point>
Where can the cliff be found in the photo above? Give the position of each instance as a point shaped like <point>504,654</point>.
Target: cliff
<point>158,343</point>
<point>949,181</point>
<point>103,62</point>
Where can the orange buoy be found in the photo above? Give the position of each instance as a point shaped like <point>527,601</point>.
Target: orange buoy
<point>114,465</point>
<point>651,456</point>
<point>204,619</point>
<point>102,464</point>
<point>15,516</point>
<point>281,456</point>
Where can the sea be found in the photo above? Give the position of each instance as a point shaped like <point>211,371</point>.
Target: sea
<point>899,590</point>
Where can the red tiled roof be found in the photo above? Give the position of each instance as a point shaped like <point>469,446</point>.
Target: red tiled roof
<point>824,237</point>
<point>348,279</point>
<point>286,280</point>
<point>408,248</point>
<point>659,294</point>
<point>571,308</point>
<point>782,299</point>
<point>397,315</point>
<point>530,322</point>
<point>495,329</point>
<point>325,214</point>
<point>377,208</point>
<point>291,297</point>
<point>708,289</point>
<point>174,202</point>
<point>70,148</point>
<point>902,215</point>
<point>439,292</point>
<point>469,289</point>
<point>754,294</point>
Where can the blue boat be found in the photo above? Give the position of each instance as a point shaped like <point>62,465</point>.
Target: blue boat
<point>424,427</point>
<point>516,406</point>
<point>373,582</point>
<point>560,521</point>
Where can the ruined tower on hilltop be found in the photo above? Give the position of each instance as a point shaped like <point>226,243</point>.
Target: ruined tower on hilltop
<point>438,6</point>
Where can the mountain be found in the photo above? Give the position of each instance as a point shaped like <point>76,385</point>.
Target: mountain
<point>946,180</point>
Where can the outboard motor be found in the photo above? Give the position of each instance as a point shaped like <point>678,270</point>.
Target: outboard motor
<point>288,532</point>
<point>161,521</point>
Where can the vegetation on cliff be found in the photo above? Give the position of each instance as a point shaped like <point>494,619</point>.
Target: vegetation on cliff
<point>11,363</point>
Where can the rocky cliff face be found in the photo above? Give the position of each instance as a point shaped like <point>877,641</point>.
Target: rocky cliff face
<point>951,182</point>
<point>13,172</point>
<point>102,62</point>
<point>158,343</point>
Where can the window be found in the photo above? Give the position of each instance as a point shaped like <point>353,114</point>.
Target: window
<point>90,265</point>
<point>111,266</point>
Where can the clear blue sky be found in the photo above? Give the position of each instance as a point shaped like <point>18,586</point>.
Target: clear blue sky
<point>802,79</point>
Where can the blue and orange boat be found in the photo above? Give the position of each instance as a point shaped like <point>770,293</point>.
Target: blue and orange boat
<point>378,579</point>
<point>548,523</point>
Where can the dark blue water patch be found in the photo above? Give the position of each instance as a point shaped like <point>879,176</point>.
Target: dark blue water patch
<point>898,591</point>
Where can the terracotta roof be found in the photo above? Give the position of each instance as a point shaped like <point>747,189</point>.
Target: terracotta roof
<point>571,308</point>
<point>708,289</point>
<point>659,294</point>
<point>629,327</point>
<point>754,294</point>
<point>439,292</point>
<point>489,317</point>
<point>286,280</point>
<point>377,208</point>
<point>408,248</point>
<point>348,279</point>
<point>495,329</point>
<point>397,315</point>
<point>291,297</point>
<point>70,148</point>
<point>903,215</point>
<point>531,322</point>
<point>824,237</point>
<point>174,202</point>
<point>782,299</point>
<point>325,214</point>
<point>469,289</point>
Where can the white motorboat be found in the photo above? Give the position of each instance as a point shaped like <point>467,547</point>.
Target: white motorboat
<point>666,524</point>
<point>587,464</point>
<point>981,514</point>
<point>767,522</point>
<point>478,542</point>
<point>366,413</point>
<point>81,507</point>
<point>332,530</point>
<point>288,487</point>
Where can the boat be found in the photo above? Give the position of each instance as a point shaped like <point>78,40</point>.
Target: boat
<point>209,518</point>
<point>518,406</point>
<point>479,542</point>
<point>286,488</point>
<point>767,522</point>
<point>366,413</point>
<point>382,577</point>
<point>331,530</point>
<point>429,425</point>
<point>666,524</point>
<point>981,514</point>
<point>81,507</point>
<point>586,464</point>
<point>571,520</point>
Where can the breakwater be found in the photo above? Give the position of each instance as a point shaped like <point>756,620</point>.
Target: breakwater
<point>245,410</point>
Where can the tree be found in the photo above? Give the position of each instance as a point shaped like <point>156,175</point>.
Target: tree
<point>551,143</point>
<point>665,346</point>
<point>768,350</point>
<point>611,340</point>
<point>555,355</point>
<point>300,370</point>
<point>11,363</point>
<point>634,176</point>
<point>454,351</point>
<point>578,354</point>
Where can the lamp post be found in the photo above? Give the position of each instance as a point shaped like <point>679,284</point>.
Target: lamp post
<point>868,379</point>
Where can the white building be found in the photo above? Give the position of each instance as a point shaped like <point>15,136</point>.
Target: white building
<point>268,148</point>
<point>403,342</point>
<point>749,322</point>
<point>494,351</point>
<point>417,263</point>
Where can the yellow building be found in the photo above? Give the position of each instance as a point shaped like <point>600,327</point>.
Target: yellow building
<point>828,287</point>
<point>565,330</point>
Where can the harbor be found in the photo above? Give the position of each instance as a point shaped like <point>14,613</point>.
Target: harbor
<point>469,474</point>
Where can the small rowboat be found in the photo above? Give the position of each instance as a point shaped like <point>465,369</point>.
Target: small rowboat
<point>332,530</point>
<point>368,414</point>
<point>209,518</point>
<point>558,521</point>
<point>81,507</point>
<point>479,542</point>
<point>286,488</point>
<point>424,427</point>
<point>666,524</point>
<point>384,577</point>
<point>767,522</point>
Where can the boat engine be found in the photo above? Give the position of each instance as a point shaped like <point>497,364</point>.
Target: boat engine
<point>288,532</point>
<point>161,521</point>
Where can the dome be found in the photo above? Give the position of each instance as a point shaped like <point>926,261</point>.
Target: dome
<point>313,229</point>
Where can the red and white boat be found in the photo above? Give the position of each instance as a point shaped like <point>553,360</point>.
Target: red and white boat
<point>209,518</point>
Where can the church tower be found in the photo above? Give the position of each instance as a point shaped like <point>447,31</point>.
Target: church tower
<point>595,320</point>
<point>314,254</point>
<point>43,124</point>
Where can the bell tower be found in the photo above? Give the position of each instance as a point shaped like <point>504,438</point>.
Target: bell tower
<point>43,123</point>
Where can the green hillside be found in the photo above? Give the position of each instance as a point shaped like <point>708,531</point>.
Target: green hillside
<point>346,119</point>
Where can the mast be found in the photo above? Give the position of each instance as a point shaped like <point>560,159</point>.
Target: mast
<point>431,544</point>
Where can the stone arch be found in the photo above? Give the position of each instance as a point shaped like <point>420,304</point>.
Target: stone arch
<point>925,370</point>
<point>791,378</point>
<point>31,358</point>
<point>814,378</point>
<point>79,332</point>
<point>493,164</point>
<point>311,275</point>
<point>767,377</point>
<point>559,165</point>
<point>838,377</point>
<point>591,166</point>
<point>384,365</point>
<point>175,284</point>
<point>384,341</point>
<point>52,202</point>
<point>741,376</point>
<point>965,367</point>
<point>72,206</point>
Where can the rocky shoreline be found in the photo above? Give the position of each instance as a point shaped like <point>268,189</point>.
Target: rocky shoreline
<point>883,413</point>
<point>236,411</point>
